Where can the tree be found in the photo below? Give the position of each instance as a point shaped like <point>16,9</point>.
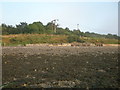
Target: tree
<point>36,27</point>
<point>11,29</point>
<point>8,29</point>
<point>77,32</point>
<point>49,28</point>
<point>67,29</point>
<point>33,28</point>
<point>39,27</point>
<point>4,29</point>
<point>22,27</point>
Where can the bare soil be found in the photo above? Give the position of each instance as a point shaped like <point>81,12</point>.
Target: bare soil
<point>56,67</point>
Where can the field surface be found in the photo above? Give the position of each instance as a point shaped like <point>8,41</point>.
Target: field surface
<point>81,67</point>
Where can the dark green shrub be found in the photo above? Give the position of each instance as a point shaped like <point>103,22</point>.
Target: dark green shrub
<point>74,38</point>
<point>13,40</point>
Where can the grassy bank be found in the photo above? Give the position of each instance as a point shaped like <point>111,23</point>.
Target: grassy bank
<point>100,40</point>
<point>23,39</point>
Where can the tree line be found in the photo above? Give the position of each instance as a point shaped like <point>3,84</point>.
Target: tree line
<point>39,28</point>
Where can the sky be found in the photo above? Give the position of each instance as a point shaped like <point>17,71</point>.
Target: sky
<point>98,17</point>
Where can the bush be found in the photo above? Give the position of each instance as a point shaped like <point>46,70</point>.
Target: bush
<point>74,38</point>
<point>13,40</point>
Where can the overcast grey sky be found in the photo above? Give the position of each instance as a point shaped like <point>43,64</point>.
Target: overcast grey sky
<point>98,17</point>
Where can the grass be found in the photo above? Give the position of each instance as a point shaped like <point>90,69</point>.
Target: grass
<point>101,40</point>
<point>23,39</point>
<point>11,40</point>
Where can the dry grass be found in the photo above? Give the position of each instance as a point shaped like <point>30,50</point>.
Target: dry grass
<point>23,39</point>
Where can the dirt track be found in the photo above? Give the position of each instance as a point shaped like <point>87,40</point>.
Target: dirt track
<point>83,67</point>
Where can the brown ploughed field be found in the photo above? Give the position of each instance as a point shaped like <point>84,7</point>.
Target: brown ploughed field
<point>58,67</point>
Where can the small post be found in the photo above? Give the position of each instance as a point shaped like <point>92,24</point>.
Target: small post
<point>77,26</point>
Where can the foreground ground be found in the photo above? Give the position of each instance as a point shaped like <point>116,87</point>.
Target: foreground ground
<point>82,67</point>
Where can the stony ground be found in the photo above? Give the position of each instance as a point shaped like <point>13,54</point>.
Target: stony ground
<point>81,67</point>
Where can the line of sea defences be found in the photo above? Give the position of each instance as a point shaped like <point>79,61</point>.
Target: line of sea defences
<point>74,44</point>
<point>55,44</point>
<point>111,44</point>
